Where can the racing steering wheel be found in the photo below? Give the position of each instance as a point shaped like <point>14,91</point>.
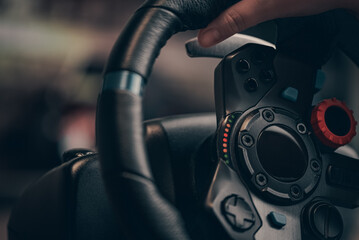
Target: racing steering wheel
<point>265,167</point>
<point>272,156</point>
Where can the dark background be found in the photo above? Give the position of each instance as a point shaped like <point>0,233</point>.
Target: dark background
<point>51,58</point>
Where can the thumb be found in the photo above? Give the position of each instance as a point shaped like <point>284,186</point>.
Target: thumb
<point>237,18</point>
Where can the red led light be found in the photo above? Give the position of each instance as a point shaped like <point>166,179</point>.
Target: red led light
<point>228,125</point>
<point>225,140</point>
<point>226,134</point>
<point>224,145</point>
<point>225,150</point>
<point>226,130</point>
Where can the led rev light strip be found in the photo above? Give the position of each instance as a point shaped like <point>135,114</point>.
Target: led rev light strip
<point>225,136</point>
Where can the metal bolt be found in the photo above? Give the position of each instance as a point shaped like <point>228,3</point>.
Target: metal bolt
<point>301,128</point>
<point>261,179</point>
<point>247,140</point>
<point>268,115</point>
<point>315,165</point>
<point>295,192</point>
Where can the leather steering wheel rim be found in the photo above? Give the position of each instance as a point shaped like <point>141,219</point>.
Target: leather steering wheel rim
<point>125,167</point>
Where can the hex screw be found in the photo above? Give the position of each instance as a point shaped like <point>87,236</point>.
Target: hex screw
<point>301,128</point>
<point>268,115</point>
<point>315,165</point>
<point>261,179</point>
<point>295,192</point>
<point>247,140</point>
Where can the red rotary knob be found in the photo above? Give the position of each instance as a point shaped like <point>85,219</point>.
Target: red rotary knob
<point>333,123</point>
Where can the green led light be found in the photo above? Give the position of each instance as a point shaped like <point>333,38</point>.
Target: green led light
<point>226,155</point>
<point>227,162</point>
<point>233,116</point>
<point>230,120</point>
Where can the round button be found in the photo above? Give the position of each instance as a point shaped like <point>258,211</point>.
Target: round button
<point>333,123</point>
<point>251,84</point>
<point>325,221</point>
<point>266,76</point>
<point>243,66</point>
<point>238,213</point>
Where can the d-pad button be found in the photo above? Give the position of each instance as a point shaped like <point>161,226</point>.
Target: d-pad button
<point>238,213</point>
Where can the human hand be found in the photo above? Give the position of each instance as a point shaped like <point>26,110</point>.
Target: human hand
<point>248,13</point>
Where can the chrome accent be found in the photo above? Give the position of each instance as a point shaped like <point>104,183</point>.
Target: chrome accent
<point>124,80</point>
<point>222,49</point>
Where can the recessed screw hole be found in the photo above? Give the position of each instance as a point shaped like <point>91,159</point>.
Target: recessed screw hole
<point>302,129</point>
<point>315,165</point>
<point>261,179</point>
<point>296,192</point>
<point>247,140</point>
<point>268,115</point>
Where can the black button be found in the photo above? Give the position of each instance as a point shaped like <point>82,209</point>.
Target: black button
<point>324,220</point>
<point>238,213</point>
<point>266,76</point>
<point>251,85</point>
<point>243,66</point>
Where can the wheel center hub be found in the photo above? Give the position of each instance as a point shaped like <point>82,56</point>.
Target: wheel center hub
<point>282,154</point>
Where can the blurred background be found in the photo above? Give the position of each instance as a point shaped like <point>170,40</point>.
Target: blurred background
<point>51,58</point>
